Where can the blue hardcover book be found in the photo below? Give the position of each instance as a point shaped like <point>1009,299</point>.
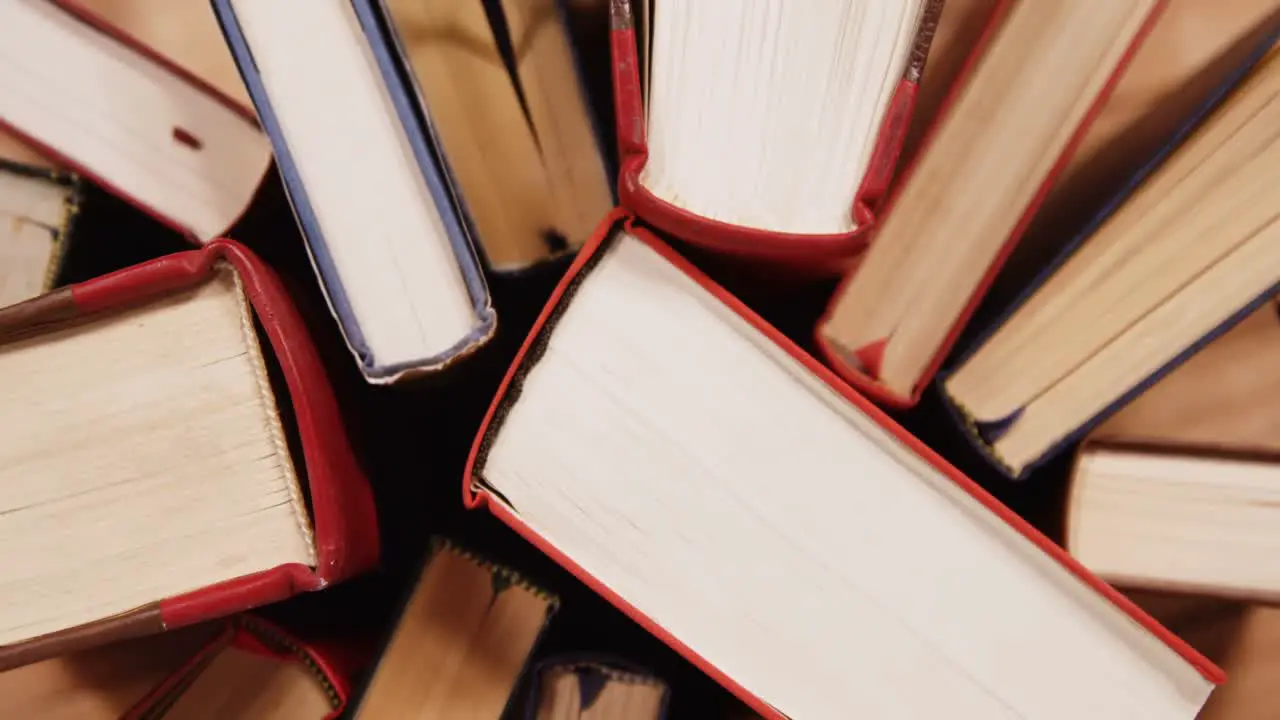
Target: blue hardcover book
<point>1189,248</point>
<point>387,236</point>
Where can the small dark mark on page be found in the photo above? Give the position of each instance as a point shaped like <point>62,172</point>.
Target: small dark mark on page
<point>186,138</point>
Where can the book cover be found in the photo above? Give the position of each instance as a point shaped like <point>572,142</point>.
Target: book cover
<point>861,366</point>
<point>462,641</point>
<point>422,148</point>
<point>343,525</point>
<point>477,495</point>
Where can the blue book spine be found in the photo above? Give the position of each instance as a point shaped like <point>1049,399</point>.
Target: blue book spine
<point>422,146</point>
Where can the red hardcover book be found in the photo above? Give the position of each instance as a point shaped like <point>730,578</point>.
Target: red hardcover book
<point>193,455</point>
<point>733,496</point>
<point>254,668</point>
<point>87,84</point>
<point>758,230</point>
<point>970,193</point>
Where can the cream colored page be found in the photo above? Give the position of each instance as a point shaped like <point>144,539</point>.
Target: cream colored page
<point>1226,396</point>
<point>380,225</point>
<point>140,459</point>
<point>1005,131</point>
<point>143,131</point>
<point>33,213</point>
<point>863,572</point>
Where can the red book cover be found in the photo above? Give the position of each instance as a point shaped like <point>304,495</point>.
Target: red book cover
<point>136,100</point>
<point>340,501</point>
<point>824,254</point>
<point>860,368</point>
<point>477,496</point>
<point>285,671</point>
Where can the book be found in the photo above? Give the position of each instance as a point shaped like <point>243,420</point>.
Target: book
<point>101,683</point>
<point>1192,49</point>
<point>1244,637</point>
<point>252,669</point>
<point>765,130</point>
<point>703,474</point>
<point>387,240</point>
<point>38,207</point>
<point>172,452</point>
<point>184,32</point>
<point>595,689</point>
<point>461,643</point>
<point>1176,491</point>
<point>976,182</point>
<point>520,142</point>
<point>98,101</point>
<point>1184,254</point>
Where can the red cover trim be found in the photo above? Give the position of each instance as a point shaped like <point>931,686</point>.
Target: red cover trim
<point>833,355</point>
<point>240,633</point>
<point>829,254</point>
<point>75,9</point>
<point>476,496</point>
<point>342,510</point>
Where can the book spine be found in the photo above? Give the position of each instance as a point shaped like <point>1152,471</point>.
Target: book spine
<point>982,435</point>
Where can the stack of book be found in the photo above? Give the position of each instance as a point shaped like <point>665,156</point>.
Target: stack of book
<point>288,287</point>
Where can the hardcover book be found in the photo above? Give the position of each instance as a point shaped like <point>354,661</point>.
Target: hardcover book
<point>1177,491</point>
<point>369,190</point>
<point>462,641</point>
<point>253,669</point>
<point>520,141</point>
<point>765,130</point>
<point>38,207</point>
<point>170,452</point>
<point>100,101</point>
<point>700,472</point>
<point>1031,88</point>
<point>1184,253</point>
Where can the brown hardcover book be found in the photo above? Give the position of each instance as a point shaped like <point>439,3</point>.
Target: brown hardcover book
<point>461,644</point>
<point>1181,489</point>
<point>520,145</point>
